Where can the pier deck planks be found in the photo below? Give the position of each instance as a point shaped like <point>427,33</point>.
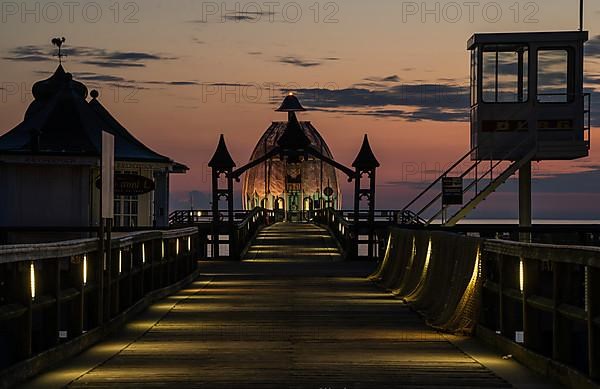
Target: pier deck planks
<point>293,316</point>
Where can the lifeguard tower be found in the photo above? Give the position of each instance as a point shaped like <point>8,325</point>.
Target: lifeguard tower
<point>527,93</point>
<point>527,104</point>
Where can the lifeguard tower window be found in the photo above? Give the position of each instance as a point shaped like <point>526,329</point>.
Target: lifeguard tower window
<point>505,73</point>
<point>553,76</point>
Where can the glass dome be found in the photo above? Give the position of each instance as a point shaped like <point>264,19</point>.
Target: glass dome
<point>302,186</point>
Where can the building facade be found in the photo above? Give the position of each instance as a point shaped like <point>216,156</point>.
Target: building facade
<point>50,164</point>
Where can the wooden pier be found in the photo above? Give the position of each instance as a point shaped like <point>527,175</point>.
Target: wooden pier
<point>291,315</point>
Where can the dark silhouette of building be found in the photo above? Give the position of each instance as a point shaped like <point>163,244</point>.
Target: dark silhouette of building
<point>49,163</point>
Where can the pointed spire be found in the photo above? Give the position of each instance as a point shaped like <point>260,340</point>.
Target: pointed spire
<point>291,104</point>
<point>365,158</point>
<point>293,137</point>
<point>222,159</point>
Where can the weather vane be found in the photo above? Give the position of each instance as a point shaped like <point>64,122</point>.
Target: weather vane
<point>58,42</point>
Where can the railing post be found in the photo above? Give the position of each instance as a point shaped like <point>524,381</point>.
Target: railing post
<point>25,341</point>
<point>81,287</point>
<point>531,317</point>
<point>53,329</point>
<point>557,349</point>
<point>593,304</point>
<point>109,279</point>
<point>99,270</point>
<point>501,278</point>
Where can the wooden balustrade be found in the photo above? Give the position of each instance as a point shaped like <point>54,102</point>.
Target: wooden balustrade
<point>53,293</point>
<point>537,302</point>
<point>546,298</point>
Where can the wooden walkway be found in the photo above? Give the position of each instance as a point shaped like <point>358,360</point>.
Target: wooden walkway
<point>291,316</point>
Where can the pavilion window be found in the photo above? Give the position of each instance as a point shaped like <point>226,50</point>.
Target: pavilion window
<point>505,74</point>
<point>126,209</point>
<point>553,76</point>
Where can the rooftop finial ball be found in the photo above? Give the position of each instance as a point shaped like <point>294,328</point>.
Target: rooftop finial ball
<point>94,94</point>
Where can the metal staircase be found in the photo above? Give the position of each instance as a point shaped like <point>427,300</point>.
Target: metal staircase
<point>480,179</point>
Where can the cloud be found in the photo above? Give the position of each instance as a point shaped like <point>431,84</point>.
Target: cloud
<point>255,53</point>
<point>298,62</point>
<point>592,47</point>
<point>393,78</point>
<point>173,83</point>
<point>415,102</point>
<point>105,64</point>
<point>86,55</point>
<point>305,63</point>
<point>237,16</point>
<point>28,53</point>
<point>592,80</point>
<point>229,84</point>
<point>87,76</point>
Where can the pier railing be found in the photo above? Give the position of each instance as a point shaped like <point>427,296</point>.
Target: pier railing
<point>538,302</point>
<point>53,293</point>
<point>546,298</point>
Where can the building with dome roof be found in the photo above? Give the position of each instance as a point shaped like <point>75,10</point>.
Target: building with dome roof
<point>295,185</point>
<point>50,163</point>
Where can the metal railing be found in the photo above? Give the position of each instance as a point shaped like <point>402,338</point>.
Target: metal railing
<point>191,217</point>
<point>53,293</point>
<point>478,175</point>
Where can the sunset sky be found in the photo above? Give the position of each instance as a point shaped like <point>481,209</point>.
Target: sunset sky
<point>178,73</point>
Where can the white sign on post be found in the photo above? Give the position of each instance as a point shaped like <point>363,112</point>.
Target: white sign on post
<point>108,175</point>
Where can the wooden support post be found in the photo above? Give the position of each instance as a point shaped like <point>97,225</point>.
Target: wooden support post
<point>130,276</point>
<point>117,285</point>
<point>355,225</point>
<point>372,241</point>
<point>593,310</point>
<point>25,343</point>
<point>54,330</point>
<point>99,271</point>
<point>81,305</point>
<point>501,279</point>
<point>531,317</point>
<point>557,349</point>
<point>525,219</point>
<point>109,278</point>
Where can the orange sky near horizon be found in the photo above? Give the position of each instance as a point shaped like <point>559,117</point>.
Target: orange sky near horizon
<point>167,98</point>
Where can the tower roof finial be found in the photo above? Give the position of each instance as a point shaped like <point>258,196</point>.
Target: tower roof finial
<point>222,159</point>
<point>58,42</point>
<point>365,158</point>
<point>291,104</point>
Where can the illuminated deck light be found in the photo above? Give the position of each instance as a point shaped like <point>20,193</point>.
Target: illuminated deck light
<point>521,275</point>
<point>143,253</point>
<point>189,243</point>
<point>32,280</point>
<point>84,269</point>
<point>177,246</point>
<point>162,252</point>
<point>120,261</point>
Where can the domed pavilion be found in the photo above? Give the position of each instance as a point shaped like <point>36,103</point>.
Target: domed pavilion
<point>298,184</point>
